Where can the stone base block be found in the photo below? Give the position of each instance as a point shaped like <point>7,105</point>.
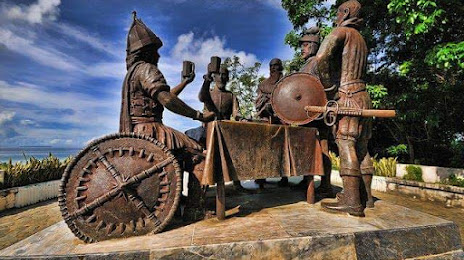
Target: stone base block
<point>272,225</point>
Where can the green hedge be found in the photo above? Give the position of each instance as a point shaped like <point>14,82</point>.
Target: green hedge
<point>383,167</point>
<point>454,181</point>
<point>413,173</point>
<point>32,171</point>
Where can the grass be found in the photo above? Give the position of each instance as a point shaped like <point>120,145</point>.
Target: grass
<point>32,171</point>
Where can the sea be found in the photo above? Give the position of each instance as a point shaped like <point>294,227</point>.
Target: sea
<point>21,154</point>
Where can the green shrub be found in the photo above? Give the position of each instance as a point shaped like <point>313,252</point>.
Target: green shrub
<point>335,161</point>
<point>33,171</point>
<point>454,181</point>
<point>413,173</point>
<point>385,167</point>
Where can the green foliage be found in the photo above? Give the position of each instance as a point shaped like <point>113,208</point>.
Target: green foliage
<point>300,11</point>
<point>294,64</point>
<point>413,173</point>
<point>447,56</point>
<point>385,166</point>
<point>416,16</point>
<point>33,171</point>
<point>396,150</point>
<point>454,180</point>
<point>420,61</point>
<point>335,160</point>
<point>244,83</point>
<point>377,93</point>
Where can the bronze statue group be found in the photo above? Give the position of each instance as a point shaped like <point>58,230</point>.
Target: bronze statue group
<point>339,64</point>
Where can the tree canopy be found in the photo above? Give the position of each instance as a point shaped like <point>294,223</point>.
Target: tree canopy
<point>416,66</point>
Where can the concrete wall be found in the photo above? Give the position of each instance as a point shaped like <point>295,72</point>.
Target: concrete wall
<point>451,196</point>
<point>26,195</point>
<point>430,174</point>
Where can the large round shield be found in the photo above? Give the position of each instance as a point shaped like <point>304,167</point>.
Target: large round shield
<point>120,185</point>
<point>293,93</point>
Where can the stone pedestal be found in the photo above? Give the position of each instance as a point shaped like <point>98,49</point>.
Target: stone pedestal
<point>273,225</point>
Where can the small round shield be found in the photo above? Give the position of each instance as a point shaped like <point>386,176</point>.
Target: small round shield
<point>293,93</point>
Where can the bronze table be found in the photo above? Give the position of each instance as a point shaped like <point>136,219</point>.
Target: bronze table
<point>247,150</point>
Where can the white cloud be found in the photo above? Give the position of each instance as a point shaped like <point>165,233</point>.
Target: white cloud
<point>6,116</point>
<point>200,50</point>
<point>35,13</point>
<point>55,141</point>
<point>115,70</point>
<point>47,57</point>
<point>27,122</point>
<point>274,3</point>
<point>94,41</point>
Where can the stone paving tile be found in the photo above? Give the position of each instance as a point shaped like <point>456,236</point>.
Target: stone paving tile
<point>18,224</point>
<point>433,208</point>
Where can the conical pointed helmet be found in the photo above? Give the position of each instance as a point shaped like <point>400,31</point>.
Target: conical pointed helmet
<point>140,36</point>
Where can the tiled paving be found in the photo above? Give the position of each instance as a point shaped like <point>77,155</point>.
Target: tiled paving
<point>18,224</point>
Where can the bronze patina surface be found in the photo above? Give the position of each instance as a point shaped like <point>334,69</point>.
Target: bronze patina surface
<point>265,88</point>
<point>293,93</point>
<point>120,185</point>
<point>257,150</point>
<point>342,63</point>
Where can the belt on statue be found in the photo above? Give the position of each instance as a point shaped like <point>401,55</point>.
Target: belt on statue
<point>350,93</point>
<point>143,120</point>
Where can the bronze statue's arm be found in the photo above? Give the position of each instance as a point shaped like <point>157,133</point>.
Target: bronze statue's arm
<point>153,82</point>
<point>236,115</point>
<point>185,81</point>
<point>205,97</point>
<point>178,89</point>
<point>327,55</point>
<point>174,104</point>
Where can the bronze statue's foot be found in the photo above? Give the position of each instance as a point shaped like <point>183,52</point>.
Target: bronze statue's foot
<point>261,183</point>
<point>370,203</point>
<point>238,189</point>
<point>324,191</point>
<point>340,207</point>
<point>283,182</point>
<point>193,214</point>
<point>303,185</point>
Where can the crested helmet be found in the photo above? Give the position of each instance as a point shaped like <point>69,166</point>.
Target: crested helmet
<point>141,36</point>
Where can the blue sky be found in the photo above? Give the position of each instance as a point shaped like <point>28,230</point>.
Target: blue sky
<point>62,62</point>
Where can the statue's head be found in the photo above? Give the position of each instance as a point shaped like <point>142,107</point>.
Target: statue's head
<point>347,10</point>
<point>142,43</point>
<point>309,42</point>
<point>275,65</point>
<point>221,78</point>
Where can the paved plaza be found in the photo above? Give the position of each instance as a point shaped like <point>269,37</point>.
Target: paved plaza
<point>18,224</point>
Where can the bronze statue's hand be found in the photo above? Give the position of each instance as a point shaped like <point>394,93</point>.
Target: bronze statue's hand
<point>207,116</point>
<point>189,78</point>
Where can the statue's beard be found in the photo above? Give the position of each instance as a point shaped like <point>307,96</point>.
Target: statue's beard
<point>275,76</point>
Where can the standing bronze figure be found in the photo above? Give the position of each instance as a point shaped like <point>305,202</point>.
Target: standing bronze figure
<point>263,100</point>
<point>341,62</point>
<point>309,43</point>
<point>219,100</point>
<point>265,88</point>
